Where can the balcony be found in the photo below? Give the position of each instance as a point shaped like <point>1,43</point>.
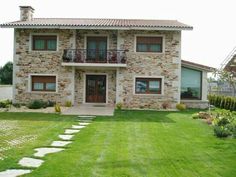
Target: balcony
<point>94,58</point>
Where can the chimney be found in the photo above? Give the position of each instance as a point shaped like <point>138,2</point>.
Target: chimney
<point>26,13</point>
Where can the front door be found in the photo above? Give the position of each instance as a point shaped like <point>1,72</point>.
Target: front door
<point>96,88</point>
<point>96,49</point>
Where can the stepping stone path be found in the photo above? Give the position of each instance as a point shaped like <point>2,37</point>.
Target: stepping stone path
<point>78,126</point>
<point>41,152</point>
<point>30,162</point>
<point>14,173</point>
<point>84,123</point>
<point>71,131</point>
<point>60,143</point>
<point>66,137</point>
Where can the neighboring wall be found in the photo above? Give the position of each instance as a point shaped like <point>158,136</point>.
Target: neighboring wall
<point>27,62</point>
<point>5,92</point>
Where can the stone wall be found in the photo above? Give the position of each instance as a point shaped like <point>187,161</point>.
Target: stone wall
<point>28,62</point>
<point>139,64</point>
<point>166,65</point>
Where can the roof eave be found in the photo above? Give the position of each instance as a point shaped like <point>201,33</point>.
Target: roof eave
<point>94,27</point>
<point>198,67</point>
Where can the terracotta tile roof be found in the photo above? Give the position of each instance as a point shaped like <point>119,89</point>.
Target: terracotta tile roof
<point>99,23</point>
<point>197,66</point>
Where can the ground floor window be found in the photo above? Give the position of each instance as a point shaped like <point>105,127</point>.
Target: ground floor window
<point>148,85</point>
<point>191,84</point>
<point>43,83</point>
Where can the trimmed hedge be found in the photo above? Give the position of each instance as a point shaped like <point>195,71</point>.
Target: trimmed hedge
<point>223,102</point>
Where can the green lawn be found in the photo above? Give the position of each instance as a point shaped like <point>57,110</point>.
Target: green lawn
<point>129,144</point>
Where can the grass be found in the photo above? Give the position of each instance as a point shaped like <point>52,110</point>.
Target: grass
<point>20,133</point>
<point>133,144</point>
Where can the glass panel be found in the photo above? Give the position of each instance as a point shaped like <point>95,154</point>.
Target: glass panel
<point>52,44</point>
<point>154,86</point>
<point>142,48</point>
<point>91,52</point>
<point>102,46</point>
<point>38,86</point>
<point>39,44</point>
<point>51,86</point>
<point>190,84</point>
<point>155,47</point>
<point>141,86</point>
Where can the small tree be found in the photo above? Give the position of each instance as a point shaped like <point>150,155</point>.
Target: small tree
<point>6,73</point>
<point>227,76</point>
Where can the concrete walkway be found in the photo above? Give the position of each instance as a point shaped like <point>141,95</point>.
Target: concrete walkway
<point>90,109</point>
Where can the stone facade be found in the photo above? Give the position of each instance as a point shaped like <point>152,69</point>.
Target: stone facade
<point>71,79</point>
<point>27,62</point>
<point>166,65</point>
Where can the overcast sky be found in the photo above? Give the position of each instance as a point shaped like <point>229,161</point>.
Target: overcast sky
<point>212,39</point>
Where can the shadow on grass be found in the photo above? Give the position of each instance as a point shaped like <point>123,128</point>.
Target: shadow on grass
<point>26,116</point>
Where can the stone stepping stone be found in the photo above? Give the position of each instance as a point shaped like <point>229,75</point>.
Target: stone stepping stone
<point>84,123</point>
<point>66,137</point>
<point>60,143</point>
<point>14,172</point>
<point>41,152</point>
<point>78,126</point>
<point>84,120</point>
<point>30,162</point>
<point>87,117</point>
<point>71,131</point>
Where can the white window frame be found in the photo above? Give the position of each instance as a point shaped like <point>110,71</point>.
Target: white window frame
<point>30,83</point>
<point>42,34</point>
<point>152,77</point>
<point>149,35</point>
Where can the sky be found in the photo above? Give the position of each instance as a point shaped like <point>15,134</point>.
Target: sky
<point>211,40</point>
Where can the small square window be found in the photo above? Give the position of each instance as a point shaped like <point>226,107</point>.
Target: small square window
<point>48,43</point>
<point>148,85</point>
<point>149,44</point>
<point>43,83</point>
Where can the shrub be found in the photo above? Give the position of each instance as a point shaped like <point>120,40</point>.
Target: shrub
<point>37,104</point>
<point>181,106</point>
<point>195,116</point>
<point>16,105</point>
<point>119,106</point>
<point>222,131</point>
<point>223,102</point>
<point>50,103</point>
<point>57,108</point>
<point>165,105</point>
<point>68,104</point>
<point>5,103</point>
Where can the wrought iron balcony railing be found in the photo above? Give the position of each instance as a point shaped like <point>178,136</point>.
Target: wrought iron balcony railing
<point>94,56</point>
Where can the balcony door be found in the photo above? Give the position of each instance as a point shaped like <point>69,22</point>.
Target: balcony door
<point>96,88</point>
<point>96,49</point>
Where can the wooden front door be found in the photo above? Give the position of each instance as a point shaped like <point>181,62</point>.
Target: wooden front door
<point>96,49</point>
<point>96,88</point>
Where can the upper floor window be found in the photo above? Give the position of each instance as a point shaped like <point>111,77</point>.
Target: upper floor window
<point>191,84</point>
<point>43,83</point>
<point>44,42</point>
<point>148,85</point>
<point>149,44</point>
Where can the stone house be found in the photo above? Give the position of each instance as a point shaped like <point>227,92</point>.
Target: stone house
<point>104,61</point>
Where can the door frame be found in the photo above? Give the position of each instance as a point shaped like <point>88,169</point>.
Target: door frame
<point>84,92</point>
